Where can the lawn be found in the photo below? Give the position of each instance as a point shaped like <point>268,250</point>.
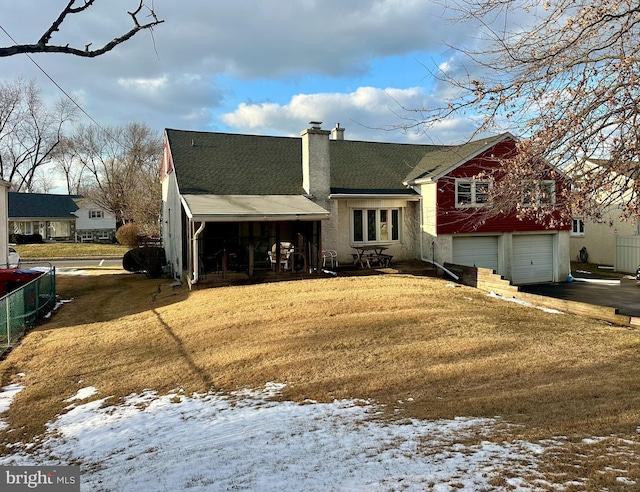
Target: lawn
<point>61,250</point>
<point>422,348</point>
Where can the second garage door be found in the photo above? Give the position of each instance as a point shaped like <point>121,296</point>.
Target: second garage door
<point>478,251</point>
<point>532,259</point>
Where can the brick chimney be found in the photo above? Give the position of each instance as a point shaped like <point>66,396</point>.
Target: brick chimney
<point>316,166</point>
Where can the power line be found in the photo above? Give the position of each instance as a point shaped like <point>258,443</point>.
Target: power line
<point>59,87</point>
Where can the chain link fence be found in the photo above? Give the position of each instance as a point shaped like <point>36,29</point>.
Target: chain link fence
<point>21,308</point>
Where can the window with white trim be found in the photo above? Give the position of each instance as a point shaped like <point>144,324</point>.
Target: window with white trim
<point>376,225</point>
<point>539,193</point>
<point>96,214</point>
<point>472,192</point>
<point>577,226</point>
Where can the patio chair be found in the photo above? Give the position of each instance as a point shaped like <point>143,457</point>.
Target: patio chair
<point>286,249</point>
<point>329,256</point>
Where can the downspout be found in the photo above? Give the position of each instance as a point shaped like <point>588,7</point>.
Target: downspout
<point>196,253</point>
<point>427,260</point>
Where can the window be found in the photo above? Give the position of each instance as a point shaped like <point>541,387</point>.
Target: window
<point>376,225</point>
<point>59,229</point>
<point>22,227</point>
<point>539,193</point>
<point>96,214</point>
<point>472,193</point>
<point>577,228</point>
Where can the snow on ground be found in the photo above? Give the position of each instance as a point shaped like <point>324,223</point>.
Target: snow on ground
<point>245,440</point>
<point>524,303</point>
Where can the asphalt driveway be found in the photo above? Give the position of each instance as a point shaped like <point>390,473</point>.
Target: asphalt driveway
<point>623,294</point>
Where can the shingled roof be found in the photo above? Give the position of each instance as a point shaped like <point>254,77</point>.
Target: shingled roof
<point>40,206</point>
<point>436,164</point>
<point>234,164</point>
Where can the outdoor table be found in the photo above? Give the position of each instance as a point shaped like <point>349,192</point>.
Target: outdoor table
<point>365,255</point>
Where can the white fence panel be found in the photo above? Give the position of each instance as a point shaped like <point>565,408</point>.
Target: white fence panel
<point>627,254</point>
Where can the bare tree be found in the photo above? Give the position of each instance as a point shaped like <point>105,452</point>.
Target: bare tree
<point>563,75</point>
<point>29,132</point>
<point>121,167</point>
<point>66,160</point>
<point>43,44</point>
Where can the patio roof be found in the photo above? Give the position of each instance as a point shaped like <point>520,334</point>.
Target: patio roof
<point>252,208</point>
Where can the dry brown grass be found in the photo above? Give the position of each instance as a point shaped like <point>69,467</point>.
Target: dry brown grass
<point>442,351</point>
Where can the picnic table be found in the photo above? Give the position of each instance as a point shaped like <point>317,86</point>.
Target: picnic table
<point>371,255</point>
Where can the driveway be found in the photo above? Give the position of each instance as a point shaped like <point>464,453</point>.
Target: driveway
<point>623,294</point>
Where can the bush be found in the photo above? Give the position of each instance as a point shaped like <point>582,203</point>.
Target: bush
<point>129,235</point>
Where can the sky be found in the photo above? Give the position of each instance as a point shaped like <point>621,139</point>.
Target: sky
<point>251,66</point>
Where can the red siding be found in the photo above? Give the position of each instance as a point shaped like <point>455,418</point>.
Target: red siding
<point>452,220</point>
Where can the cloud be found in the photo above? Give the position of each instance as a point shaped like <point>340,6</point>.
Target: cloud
<point>186,73</point>
<point>367,113</point>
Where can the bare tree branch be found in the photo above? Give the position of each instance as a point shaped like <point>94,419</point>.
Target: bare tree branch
<point>566,78</point>
<point>43,46</point>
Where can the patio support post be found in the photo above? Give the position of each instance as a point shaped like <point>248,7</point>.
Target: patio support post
<point>318,224</point>
<point>251,250</point>
<point>277,252</point>
<point>225,258</point>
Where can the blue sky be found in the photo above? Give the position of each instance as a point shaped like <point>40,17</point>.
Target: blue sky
<point>250,66</point>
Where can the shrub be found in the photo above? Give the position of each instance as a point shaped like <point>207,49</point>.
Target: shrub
<point>129,235</point>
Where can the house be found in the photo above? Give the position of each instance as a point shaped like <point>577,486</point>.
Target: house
<point>59,218</point>
<point>594,240</point>
<point>50,216</point>
<point>93,223</point>
<point>4,222</point>
<point>228,198</point>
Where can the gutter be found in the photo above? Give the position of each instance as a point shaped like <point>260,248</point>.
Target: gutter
<point>196,235</point>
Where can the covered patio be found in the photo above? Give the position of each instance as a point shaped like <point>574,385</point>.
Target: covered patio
<point>231,235</point>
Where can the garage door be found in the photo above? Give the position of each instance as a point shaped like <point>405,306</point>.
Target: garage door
<point>479,251</point>
<point>532,259</point>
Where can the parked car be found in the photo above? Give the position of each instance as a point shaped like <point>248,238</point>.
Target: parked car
<point>14,258</point>
<point>638,275</point>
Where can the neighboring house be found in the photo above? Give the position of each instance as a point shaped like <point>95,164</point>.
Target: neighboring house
<point>4,222</point>
<point>227,198</point>
<point>51,216</point>
<point>93,223</point>
<point>598,237</point>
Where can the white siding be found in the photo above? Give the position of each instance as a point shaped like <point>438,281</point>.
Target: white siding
<point>85,222</point>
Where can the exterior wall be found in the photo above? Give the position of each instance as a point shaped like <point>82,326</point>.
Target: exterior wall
<point>339,238</point>
<point>451,220</point>
<point>599,238</point>
<point>94,229</point>
<point>4,221</point>
<point>172,224</point>
<point>45,227</point>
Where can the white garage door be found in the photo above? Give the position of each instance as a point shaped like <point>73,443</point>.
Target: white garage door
<point>532,259</point>
<point>479,251</point>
